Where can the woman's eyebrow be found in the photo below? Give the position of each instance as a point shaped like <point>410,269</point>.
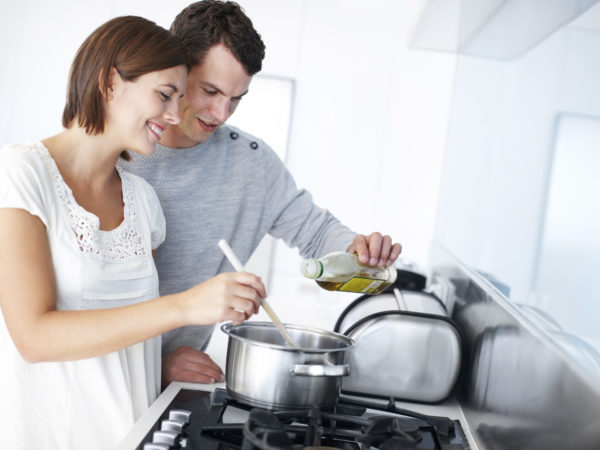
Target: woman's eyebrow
<point>172,86</point>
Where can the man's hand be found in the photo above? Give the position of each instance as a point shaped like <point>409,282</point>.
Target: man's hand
<point>191,365</point>
<point>375,249</point>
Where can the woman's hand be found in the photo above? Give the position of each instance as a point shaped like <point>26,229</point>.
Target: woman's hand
<point>232,296</point>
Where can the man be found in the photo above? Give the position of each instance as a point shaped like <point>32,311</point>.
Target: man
<point>217,182</point>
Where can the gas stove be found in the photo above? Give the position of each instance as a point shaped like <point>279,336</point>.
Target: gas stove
<point>197,416</point>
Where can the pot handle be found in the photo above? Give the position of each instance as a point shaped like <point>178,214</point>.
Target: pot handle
<point>317,370</point>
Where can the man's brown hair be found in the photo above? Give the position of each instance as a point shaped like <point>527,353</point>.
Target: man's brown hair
<point>206,23</point>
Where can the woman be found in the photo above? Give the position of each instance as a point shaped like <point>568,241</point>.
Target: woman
<point>81,316</point>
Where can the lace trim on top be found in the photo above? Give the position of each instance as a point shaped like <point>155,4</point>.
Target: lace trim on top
<point>121,243</point>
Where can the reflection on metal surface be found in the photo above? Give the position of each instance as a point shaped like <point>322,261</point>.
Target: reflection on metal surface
<point>418,356</point>
<point>421,302</point>
<point>520,389</point>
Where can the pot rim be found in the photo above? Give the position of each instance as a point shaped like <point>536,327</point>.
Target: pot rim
<point>229,326</point>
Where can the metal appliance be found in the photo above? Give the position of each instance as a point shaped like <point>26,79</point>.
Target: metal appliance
<point>419,348</point>
<point>195,416</point>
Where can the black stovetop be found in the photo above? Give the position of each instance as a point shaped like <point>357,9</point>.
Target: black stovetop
<point>352,424</point>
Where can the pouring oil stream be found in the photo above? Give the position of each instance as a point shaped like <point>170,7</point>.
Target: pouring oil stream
<point>237,265</point>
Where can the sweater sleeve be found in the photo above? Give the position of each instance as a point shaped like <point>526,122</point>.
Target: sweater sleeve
<point>296,218</point>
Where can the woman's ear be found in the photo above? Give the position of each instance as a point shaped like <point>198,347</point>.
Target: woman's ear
<point>108,85</point>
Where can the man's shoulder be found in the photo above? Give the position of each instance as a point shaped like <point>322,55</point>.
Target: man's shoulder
<point>231,135</point>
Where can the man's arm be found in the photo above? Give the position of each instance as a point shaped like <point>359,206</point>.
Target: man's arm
<point>191,365</point>
<point>312,229</point>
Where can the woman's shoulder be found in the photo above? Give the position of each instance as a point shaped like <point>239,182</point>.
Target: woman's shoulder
<point>138,183</point>
<point>31,151</point>
<point>142,197</point>
<point>30,156</point>
<point>140,187</point>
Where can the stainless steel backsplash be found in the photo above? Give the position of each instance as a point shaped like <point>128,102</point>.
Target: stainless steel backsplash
<point>518,388</point>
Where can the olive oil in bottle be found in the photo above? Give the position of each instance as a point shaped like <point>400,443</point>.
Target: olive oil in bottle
<point>342,271</point>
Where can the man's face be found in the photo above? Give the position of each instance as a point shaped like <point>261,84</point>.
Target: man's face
<point>214,89</point>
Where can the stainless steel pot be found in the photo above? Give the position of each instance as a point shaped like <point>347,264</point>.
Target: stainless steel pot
<point>261,370</point>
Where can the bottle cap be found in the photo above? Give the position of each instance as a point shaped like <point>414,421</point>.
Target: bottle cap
<point>312,268</point>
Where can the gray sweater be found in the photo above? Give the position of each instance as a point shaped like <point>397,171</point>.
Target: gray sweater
<point>231,187</point>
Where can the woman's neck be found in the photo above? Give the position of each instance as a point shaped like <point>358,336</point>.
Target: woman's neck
<point>87,158</point>
<point>87,165</point>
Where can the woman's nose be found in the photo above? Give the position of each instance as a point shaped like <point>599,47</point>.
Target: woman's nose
<point>172,113</point>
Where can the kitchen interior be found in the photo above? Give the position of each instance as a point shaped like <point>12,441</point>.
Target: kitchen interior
<point>465,129</point>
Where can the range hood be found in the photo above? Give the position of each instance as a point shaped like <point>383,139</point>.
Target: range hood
<point>497,29</point>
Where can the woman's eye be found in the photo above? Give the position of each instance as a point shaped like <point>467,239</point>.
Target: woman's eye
<point>165,97</point>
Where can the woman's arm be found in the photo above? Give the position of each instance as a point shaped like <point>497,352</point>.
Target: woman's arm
<point>42,333</point>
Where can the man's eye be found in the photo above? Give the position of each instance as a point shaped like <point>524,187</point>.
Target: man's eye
<point>210,92</point>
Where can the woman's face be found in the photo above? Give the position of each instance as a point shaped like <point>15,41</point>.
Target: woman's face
<point>138,111</point>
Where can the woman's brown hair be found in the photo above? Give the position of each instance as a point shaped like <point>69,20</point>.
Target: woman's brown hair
<point>132,45</point>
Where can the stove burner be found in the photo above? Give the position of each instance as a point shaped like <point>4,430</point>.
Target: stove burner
<point>443,425</point>
<point>351,425</point>
<point>263,430</point>
<point>393,425</point>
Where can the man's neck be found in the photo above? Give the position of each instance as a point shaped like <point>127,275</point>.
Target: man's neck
<point>173,137</point>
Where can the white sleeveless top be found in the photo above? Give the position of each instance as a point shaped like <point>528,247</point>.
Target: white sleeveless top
<point>90,403</point>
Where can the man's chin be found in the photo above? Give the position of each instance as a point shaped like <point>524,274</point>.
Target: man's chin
<point>205,136</point>
<point>180,139</point>
<point>202,135</point>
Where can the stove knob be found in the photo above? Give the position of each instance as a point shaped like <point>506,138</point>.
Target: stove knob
<point>166,437</point>
<point>180,415</point>
<point>155,446</point>
<point>173,425</point>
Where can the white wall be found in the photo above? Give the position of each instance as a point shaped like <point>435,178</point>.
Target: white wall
<point>496,166</point>
<point>369,122</point>
<point>570,251</point>
<point>368,135</point>
<point>503,128</point>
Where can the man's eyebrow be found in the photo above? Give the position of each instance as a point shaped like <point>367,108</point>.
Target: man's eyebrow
<point>241,95</point>
<point>216,88</point>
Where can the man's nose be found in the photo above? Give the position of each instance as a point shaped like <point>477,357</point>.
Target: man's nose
<point>220,109</point>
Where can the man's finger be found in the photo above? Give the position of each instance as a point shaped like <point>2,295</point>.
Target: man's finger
<point>394,253</point>
<point>386,246</point>
<point>360,247</point>
<point>375,241</point>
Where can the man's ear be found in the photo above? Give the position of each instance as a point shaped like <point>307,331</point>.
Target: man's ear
<point>109,84</point>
